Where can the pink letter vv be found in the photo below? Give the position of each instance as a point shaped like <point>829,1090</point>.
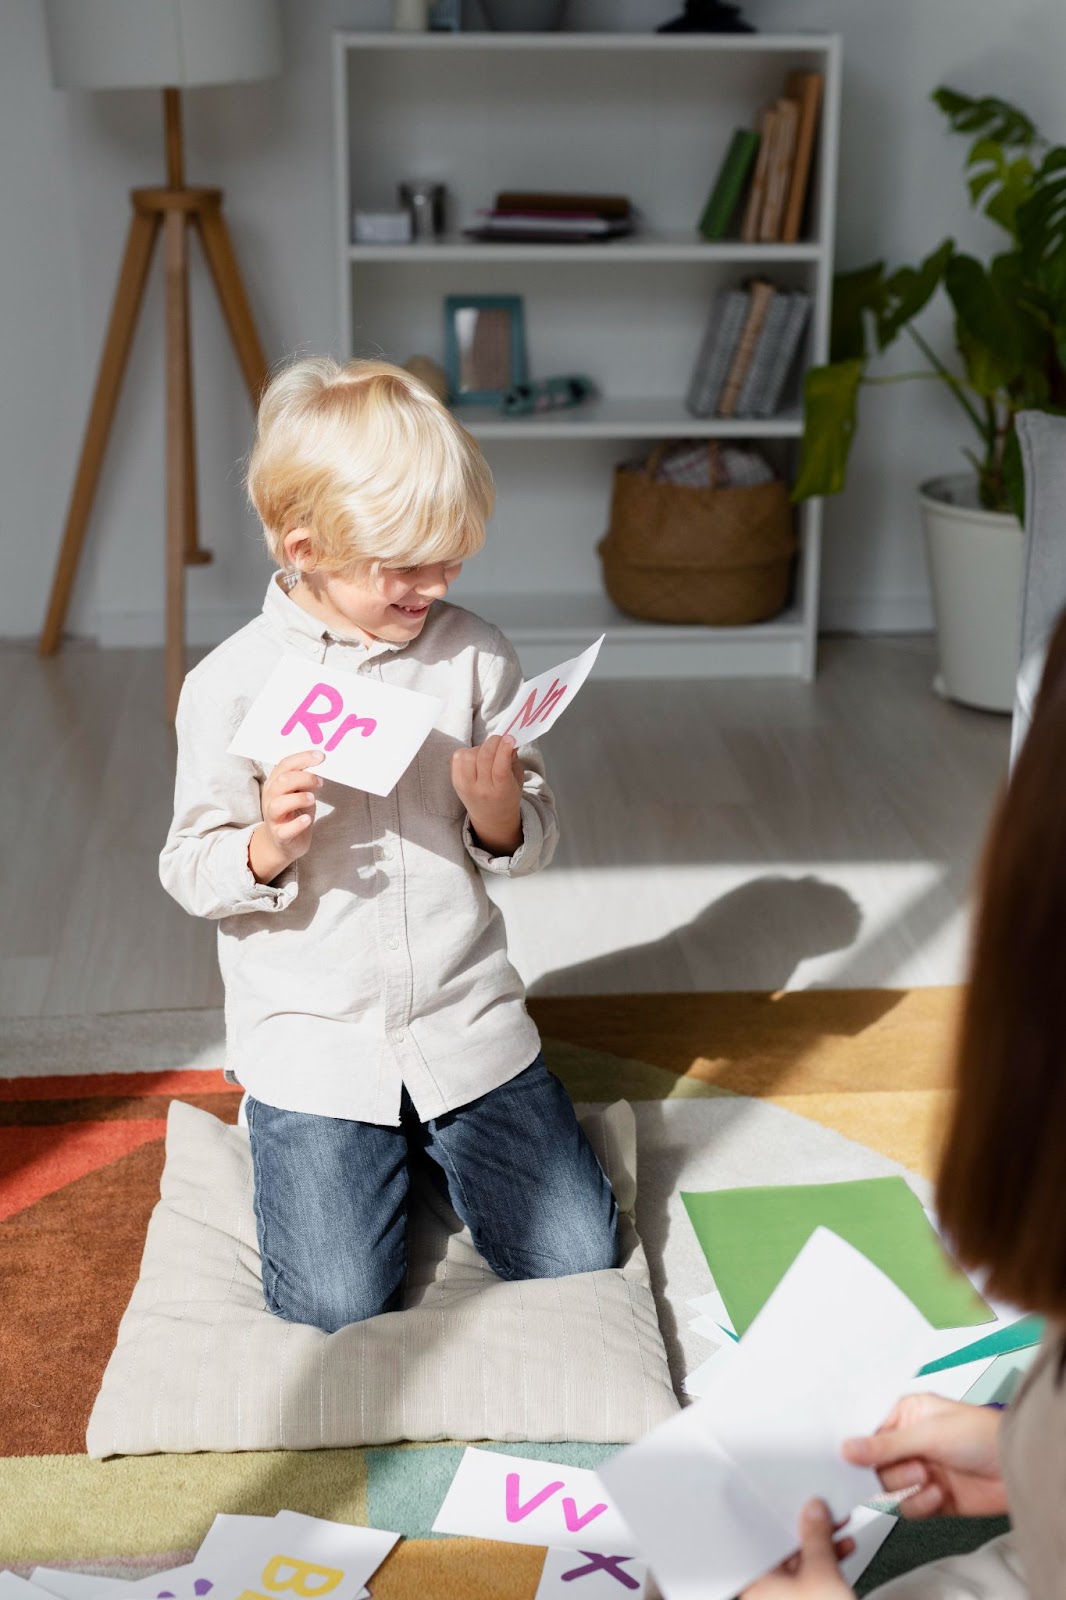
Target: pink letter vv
<point>516,1510</point>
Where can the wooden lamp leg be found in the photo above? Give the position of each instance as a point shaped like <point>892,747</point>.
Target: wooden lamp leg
<point>235,308</point>
<point>128,295</point>
<point>178,448</point>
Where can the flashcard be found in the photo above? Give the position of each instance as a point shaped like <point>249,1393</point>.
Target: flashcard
<point>541,701</point>
<point>714,1495</point>
<point>496,1496</point>
<point>368,732</point>
<point>588,1575</point>
<point>12,1587</point>
<point>76,1585</point>
<point>294,1553</point>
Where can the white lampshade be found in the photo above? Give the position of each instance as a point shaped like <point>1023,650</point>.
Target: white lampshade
<point>141,44</point>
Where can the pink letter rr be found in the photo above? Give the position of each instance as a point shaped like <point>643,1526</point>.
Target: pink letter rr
<point>313,720</point>
<point>531,712</point>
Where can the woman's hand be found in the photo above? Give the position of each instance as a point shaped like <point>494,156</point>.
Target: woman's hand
<point>811,1574</point>
<point>288,802</point>
<point>488,780</point>
<point>946,1450</point>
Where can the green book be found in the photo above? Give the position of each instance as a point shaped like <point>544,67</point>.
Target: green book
<point>729,184</point>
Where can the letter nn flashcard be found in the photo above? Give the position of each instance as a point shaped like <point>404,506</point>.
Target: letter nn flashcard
<point>368,732</point>
<point>541,701</point>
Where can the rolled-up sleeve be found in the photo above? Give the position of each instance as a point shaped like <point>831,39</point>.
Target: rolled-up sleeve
<point>204,863</point>
<point>501,679</point>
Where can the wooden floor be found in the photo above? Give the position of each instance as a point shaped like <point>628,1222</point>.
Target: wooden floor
<point>755,835</point>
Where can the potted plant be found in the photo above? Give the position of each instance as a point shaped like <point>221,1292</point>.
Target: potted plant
<point>1010,355</point>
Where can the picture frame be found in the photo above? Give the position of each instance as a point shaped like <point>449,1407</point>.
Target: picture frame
<point>484,347</point>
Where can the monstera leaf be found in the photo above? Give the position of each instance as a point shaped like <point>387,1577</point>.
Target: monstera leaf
<point>1000,341</point>
<point>829,395</point>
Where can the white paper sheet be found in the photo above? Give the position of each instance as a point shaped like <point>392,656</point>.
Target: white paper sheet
<point>541,701</point>
<point>494,1496</point>
<point>272,1557</point>
<point>368,732</point>
<point>588,1575</point>
<point>76,1585</point>
<point>869,1529</point>
<point>712,1305</point>
<point>12,1587</point>
<point>714,1495</point>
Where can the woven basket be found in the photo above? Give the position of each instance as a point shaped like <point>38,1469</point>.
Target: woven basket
<point>719,556</point>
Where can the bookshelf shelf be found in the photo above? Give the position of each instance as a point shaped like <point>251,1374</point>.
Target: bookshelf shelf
<point>649,115</point>
<point>654,247</point>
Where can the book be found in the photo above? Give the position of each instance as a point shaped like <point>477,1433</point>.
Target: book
<point>749,228</point>
<point>757,375</point>
<point>768,400</point>
<point>760,294</point>
<point>779,170</point>
<point>544,225</point>
<point>728,187</point>
<point>724,327</point>
<point>603,205</point>
<point>805,88</point>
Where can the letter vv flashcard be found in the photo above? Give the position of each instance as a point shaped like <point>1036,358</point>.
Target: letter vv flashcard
<point>495,1496</point>
<point>368,732</point>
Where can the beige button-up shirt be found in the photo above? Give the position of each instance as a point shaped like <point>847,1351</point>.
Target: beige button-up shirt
<point>377,960</point>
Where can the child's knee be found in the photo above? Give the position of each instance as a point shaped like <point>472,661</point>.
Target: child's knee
<point>334,1302</point>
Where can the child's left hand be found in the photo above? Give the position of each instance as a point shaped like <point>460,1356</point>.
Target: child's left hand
<point>488,780</point>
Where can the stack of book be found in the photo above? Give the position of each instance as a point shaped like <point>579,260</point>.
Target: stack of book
<point>763,182</point>
<point>520,214</point>
<point>748,351</point>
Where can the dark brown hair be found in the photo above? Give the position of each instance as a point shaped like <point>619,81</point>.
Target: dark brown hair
<point>1001,1193</point>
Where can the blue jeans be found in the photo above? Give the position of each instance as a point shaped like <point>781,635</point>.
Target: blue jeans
<point>331,1197</point>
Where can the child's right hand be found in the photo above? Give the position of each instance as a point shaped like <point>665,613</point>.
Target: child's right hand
<point>288,802</point>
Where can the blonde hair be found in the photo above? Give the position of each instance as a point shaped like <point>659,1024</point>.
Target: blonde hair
<point>370,462</point>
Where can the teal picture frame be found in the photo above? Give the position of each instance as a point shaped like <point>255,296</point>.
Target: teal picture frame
<point>484,347</point>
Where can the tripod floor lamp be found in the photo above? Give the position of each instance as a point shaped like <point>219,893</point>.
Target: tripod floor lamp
<point>170,45</point>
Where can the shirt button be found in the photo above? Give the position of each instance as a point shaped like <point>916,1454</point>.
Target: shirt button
<point>386,853</point>
<point>399,1036</point>
<point>393,944</point>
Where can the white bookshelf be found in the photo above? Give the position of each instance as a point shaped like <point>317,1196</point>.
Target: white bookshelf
<point>649,115</point>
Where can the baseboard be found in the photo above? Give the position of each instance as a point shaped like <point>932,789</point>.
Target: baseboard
<point>144,629</point>
<point>892,613</point>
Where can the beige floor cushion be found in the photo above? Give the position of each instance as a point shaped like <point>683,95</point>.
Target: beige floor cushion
<point>200,1364</point>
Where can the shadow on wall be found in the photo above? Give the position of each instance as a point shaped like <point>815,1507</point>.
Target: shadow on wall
<point>754,937</point>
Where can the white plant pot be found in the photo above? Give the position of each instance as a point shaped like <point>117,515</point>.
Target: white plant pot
<point>975,571</point>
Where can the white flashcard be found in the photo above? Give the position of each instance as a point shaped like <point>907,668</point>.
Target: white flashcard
<point>714,1496</point>
<point>225,1539</point>
<point>368,732</point>
<point>12,1587</point>
<point>699,1381</point>
<point>294,1552</point>
<point>496,1496</point>
<point>712,1305</point>
<point>76,1585</point>
<point>541,701</point>
<point>588,1575</point>
<point>869,1529</point>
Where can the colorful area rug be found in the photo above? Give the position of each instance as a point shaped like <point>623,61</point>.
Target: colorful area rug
<point>80,1159</point>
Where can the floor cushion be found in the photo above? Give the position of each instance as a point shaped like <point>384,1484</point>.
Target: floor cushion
<point>200,1364</point>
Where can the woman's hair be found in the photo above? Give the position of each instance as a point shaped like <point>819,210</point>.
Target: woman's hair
<point>370,462</point>
<point>1000,1192</point>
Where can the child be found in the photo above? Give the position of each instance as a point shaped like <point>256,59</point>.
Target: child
<point>371,1011</point>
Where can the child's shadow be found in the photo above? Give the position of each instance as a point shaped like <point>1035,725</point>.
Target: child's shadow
<point>754,937</point>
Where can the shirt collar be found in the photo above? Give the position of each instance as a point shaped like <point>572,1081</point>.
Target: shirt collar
<point>309,635</point>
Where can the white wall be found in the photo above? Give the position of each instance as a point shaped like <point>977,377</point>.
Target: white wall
<point>67,160</point>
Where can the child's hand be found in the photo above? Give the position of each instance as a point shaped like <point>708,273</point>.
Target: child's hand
<point>288,802</point>
<point>488,780</point>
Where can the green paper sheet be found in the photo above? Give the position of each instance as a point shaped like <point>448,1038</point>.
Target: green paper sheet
<point>751,1237</point>
<point>1017,1336</point>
